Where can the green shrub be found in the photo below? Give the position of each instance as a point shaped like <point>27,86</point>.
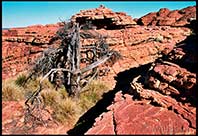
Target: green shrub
<point>20,80</point>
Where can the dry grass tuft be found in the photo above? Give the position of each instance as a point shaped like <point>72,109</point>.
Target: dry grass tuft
<point>65,109</point>
<point>11,91</point>
<point>92,93</point>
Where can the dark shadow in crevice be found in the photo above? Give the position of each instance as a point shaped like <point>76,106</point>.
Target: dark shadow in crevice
<point>185,96</point>
<point>123,80</point>
<point>189,60</point>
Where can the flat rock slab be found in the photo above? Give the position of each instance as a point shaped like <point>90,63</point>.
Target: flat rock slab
<point>127,116</point>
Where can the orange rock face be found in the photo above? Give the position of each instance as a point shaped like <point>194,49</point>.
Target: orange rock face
<point>139,117</point>
<point>103,17</point>
<point>161,101</point>
<point>22,46</point>
<point>165,17</point>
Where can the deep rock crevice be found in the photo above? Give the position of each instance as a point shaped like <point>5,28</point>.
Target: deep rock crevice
<point>114,123</point>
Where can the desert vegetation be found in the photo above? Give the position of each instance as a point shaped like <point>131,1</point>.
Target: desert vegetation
<point>58,82</point>
<point>69,68</point>
<point>64,108</point>
<point>71,92</point>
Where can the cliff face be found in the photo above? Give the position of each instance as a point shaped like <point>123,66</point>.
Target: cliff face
<point>166,17</point>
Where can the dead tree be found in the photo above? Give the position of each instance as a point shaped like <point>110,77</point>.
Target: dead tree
<point>71,65</point>
<point>62,66</point>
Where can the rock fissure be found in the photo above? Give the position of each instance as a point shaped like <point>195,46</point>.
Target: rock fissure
<point>114,123</point>
<point>142,96</point>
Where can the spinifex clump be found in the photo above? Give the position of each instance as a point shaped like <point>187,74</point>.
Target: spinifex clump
<point>70,64</point>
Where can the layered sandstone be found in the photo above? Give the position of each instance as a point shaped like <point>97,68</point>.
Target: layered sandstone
<point>161,100</point>
<point>103,17</point>
<point>166,17</point>
<point>144,43</point>
<point>126,116</point>
<point>22,46</point>
<point>139,45</point>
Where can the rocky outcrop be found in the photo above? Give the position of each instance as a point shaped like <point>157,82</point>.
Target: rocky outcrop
<point>126,116</point>
<point>149,111</point>
<point>165,17</point>
<point>33,35</point>
<point>161,100</point>
<point>22,46</point>
<point>145,43</point>
<point>139,45</point>
<point>103,17</point>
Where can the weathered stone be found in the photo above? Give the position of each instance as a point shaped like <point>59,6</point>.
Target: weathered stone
<point>103,17</point>
<point>170,18</point>
<point>147,19</point>
<point>160,104</point>
<point>176,75</point>
<point>141,117</point>
<point>19,50</point>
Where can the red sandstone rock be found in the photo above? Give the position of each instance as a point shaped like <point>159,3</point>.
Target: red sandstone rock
<point>138,45</point>
<point>176,75</point>
<point>156,111</point>
<point>170,18</point>
<point>143,43</point>
<point>22,46</point>
<point>166,21</point>
<point>140,117</point>
<point>187,10</point>
<point>106,128</point>
<point>163,12</point>
<point>147,19</point>
<point>185,19</point>
<point>110,19</point>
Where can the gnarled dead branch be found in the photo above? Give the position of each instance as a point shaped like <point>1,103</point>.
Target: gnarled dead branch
<point>71,65</point>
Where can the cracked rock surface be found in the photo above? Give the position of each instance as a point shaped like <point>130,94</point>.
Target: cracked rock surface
<point>139,117</point>
<point>161,100</point>
<point>22,46</point>
<point>166,17</point>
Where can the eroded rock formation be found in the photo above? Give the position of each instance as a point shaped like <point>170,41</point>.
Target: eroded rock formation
<point>166,17</point>
<point>103,17</point>
<point>161,100</point>
<point>22,46</point>
<point>144,43</point>
<point>126,116</point>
